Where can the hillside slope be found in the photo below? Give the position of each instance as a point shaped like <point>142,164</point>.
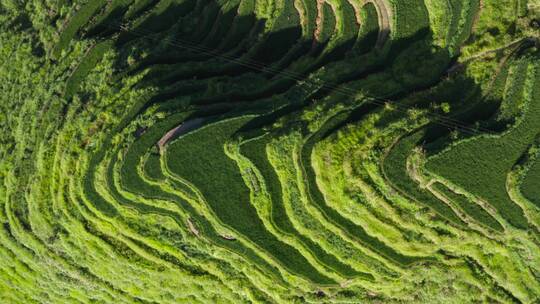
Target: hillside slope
<point>270,151</point>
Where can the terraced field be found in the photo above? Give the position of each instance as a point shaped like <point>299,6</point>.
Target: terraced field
<point>270,151</point>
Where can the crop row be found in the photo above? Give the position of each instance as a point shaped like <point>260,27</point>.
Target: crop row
<point>481,163</point>
<point>218,153</point>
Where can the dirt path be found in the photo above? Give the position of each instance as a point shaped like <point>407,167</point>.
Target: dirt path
<point>299,6</point>
<point>516,45</point>
<point>228,237</point>
<point>192,228</point>
<point>384,16</point>
<point>183,128</point>
<point>516,42</point>
<point>318,23</point>
<point>357,6</point>
<point>346,283</point>
<point>477,16</point>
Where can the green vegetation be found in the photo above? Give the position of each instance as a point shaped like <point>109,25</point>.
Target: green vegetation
<point>472,209</point>
<point>395,168</point>
<point>269,151</point>
<point>530,185</point>
<point>195,155</point>
<point>255,150</point>
<point>480,164</point>
<point>75,23</point>
<point>89,61</point>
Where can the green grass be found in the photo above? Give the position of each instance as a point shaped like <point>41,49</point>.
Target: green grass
<point>221,26</point>
<point>531,184</point>
<point>512,106</point>
<point>92,58</point>
<point>255,150</point>
<point>318,199</point>
<point>138,7</point>
<point>131,180</point>
<point>195,155</point>
<point>369,29</point>
<point>151,191</point>
<point>470,208</point>
<point>394,167</point>
<point>79,19</point>
<point>481,164</point>
<point>152,167</point>
<point>160,17</point>
<point>349,27</point>
<point>92,211</point>
<point>310,11</point>
<point>111,18</point>
<point>463,14</point>
<point>241,26</point>
<point>328,23</point>
<point>207,20</point>
<point>411,17</point>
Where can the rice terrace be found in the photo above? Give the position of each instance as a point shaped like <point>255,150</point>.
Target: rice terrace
<point>270,151</point>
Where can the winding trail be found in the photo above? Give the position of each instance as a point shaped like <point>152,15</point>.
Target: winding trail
<point>182,129</point>
<point>192,228</point>
<point>515,44</point>
<point>318,23</point>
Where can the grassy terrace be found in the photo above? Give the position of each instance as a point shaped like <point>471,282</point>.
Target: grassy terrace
<point>470,208</point>
<point>269,151</point>
<point>395,169</point>
<point>76,22</point>
<point>482,163</point>
<point>369,30</point>
<point>89,61</point>
<point>255,151</point>
<point>134,183</point>
<point>225,192</point>
<point>317,198</point>
<point>529,186</point>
